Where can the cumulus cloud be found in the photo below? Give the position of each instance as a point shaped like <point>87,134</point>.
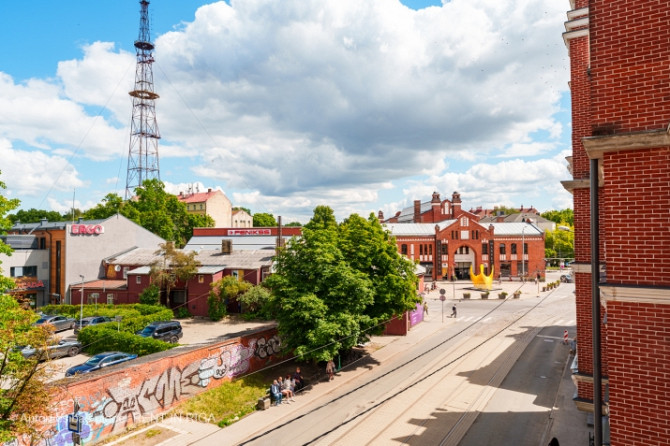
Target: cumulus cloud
<point>292,104</point>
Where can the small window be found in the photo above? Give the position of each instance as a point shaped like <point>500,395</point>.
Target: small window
<point>403,249</point>
<point>513,248</point>
<point>138,279</point>
<point>502,248</point>
<point>110,299</point>
<point>525,248</point>
<point>201,278</point>
<point>485,248</point>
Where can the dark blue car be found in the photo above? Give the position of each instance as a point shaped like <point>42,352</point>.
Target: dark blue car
<point>100,361</point>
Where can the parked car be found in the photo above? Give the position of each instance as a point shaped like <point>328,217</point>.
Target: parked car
<point>54,349</point>
<point>567,278</point>
<point>59,323</point>
<point>99,361</point>
<point>168,331</point>
<point>92,320</point>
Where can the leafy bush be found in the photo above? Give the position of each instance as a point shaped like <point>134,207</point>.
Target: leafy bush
<point>150,295</point>
<point>182,313</point>
<point>255,301</point>
<point>216,307</point>
<point>103,338</point>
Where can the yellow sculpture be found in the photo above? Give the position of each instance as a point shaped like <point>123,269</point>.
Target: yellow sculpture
<point>481,280</point>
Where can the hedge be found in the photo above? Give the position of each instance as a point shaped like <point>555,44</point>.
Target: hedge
<point>121,336</point>
<point>104,338</point>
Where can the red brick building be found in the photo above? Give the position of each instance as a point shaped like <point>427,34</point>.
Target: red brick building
<point>620,87</point>
<point>447,241</point>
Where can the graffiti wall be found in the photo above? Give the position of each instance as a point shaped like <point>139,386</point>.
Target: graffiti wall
<point>140,393</point>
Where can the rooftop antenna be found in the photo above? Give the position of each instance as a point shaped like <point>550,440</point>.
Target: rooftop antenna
<point>144,135</point>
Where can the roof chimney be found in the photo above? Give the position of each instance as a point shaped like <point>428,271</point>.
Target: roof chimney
<point>417,211</point>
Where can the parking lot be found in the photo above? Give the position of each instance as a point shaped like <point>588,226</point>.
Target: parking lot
<point>196,331</point>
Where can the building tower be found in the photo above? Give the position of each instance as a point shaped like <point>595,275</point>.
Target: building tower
<point>144,136</point>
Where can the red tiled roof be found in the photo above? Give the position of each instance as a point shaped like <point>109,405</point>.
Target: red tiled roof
<point>199,197</point>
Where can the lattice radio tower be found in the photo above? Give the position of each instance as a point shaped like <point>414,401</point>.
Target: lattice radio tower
<point>144,136</point>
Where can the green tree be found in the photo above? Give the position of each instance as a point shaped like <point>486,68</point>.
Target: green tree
<point>174,266</point>
<point>110,205</point>
<point>337,284</point>
<point>151,295</point>
<point>223,291</point>
<point>240,208</point>
<point>264,220</point>
<point>564,217</point>
<point>23,394</point>
<point>255,298</point>
<point>163,214</point>
<point>33,215</point>
<point>293,223</point>
<point>559,244</point>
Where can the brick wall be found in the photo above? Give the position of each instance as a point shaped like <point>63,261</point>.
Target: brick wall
<point>640,386</point>
<point>630,49</point>
<point>637,216</point>
<point>147,387</point>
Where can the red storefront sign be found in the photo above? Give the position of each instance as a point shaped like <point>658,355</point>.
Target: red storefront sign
<point>28,283</point>
<point>249,232</point>
<point>86,229</point>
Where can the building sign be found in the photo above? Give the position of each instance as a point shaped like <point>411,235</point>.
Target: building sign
<point>86,229</point>
<point>28,283</point>
<point>249,232</point>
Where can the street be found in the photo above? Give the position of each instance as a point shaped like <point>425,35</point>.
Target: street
<point>434,390</point>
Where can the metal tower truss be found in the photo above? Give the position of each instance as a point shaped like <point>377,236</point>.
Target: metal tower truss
<point>144,135</point>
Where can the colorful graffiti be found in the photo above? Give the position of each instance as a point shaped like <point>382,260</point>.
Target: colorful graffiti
<point>115,408</point>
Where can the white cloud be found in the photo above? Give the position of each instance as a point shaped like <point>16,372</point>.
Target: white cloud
<point>292,104</point>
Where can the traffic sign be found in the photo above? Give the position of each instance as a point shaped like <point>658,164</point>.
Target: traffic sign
<point>443,297</point>
<point>442,291</point>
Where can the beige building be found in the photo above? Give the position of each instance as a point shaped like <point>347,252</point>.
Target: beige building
<point>213,203</point>
<point>241,219</point>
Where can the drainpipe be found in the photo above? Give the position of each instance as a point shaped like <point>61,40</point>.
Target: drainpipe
<point>595,303</point>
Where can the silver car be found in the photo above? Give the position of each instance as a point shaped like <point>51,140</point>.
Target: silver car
<point>59,323</point>
<point>54,349</point>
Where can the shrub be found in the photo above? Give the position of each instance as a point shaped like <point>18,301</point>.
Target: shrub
<point>216,307</point>
<point>182,313</point>
<point>97,339</point>
<point>150,295</point>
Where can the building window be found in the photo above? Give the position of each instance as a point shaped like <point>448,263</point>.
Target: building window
<point>138,279</point>
<point>525,248</point>
<point>430,250</point>
<point>465,235</point>
<point>445,251</point>
<point>23,271</point>
<point>502,248</point>
<point>485,248</point>
<point>110,299</point>
<point>464,221</point>
<point>513,248</point>
<point>403,249</point>
<point>420,250</point>
<point>93,298</point>
<point>201,278</point>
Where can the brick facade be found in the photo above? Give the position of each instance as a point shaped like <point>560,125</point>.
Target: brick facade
<point>620,88</point>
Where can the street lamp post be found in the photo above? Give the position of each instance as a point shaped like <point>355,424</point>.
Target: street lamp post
<point>523,254</point>
<point>81,304</point>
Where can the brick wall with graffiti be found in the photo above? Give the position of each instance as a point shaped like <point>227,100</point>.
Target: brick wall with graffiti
<point>139,393</point>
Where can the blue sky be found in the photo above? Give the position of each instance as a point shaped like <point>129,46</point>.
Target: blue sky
<point>359,105</point>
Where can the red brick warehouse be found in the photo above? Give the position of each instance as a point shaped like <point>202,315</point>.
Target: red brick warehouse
<point>620,87</point>
<point>447,240</point>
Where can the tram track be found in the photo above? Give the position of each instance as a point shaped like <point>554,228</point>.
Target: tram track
<point>438,394</point>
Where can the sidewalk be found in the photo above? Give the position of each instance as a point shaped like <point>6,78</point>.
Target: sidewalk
<point>565,421</point>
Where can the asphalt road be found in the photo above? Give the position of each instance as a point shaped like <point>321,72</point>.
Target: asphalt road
<point>489,376</point>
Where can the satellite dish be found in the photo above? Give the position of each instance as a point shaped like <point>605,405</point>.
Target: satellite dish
<point>117,268</point>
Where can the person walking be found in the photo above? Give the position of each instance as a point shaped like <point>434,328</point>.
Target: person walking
<point>330,370</point>
<point>453,311</point>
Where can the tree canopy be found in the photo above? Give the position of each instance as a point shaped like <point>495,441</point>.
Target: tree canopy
<point>563,217</point>
<point>338,284</point>
<point>264,220</point>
